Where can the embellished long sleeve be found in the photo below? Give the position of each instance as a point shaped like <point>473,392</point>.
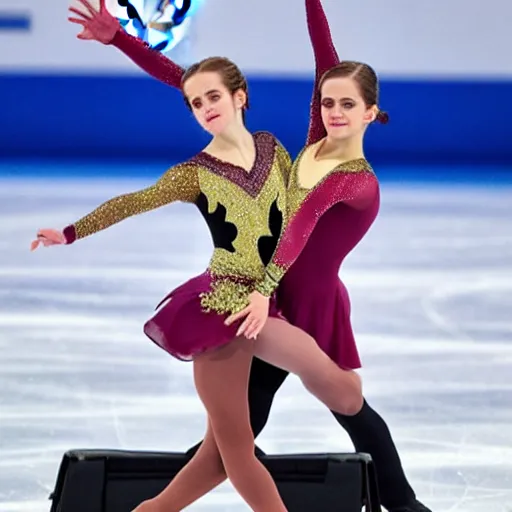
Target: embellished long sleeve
<point>179,183</point>
<point>325,58</point>
<point>151,61</point>
<point>354,188</point>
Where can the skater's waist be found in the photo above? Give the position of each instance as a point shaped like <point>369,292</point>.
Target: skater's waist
<point>227,293</point>
<point>236,268</point>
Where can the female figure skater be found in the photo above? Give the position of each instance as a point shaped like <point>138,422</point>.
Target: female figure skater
<point>329,191</point>
<point>238,184</point>
<point>326,317</point>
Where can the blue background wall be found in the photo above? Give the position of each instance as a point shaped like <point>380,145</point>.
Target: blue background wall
<point>114,121</point>
<point>448,97</point>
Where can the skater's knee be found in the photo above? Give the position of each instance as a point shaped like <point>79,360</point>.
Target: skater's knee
<point>353,403</point>
<point>233,435</point>
<point>339,389</point>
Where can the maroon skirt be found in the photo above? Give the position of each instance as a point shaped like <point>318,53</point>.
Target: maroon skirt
<point>182,328</point>
<point>321,309</point>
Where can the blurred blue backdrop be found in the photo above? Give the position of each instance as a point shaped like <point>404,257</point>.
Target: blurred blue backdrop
<point>430,286</point>
<point>446,81</point>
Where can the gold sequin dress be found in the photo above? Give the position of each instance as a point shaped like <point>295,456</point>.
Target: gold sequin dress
<point>245,214</point>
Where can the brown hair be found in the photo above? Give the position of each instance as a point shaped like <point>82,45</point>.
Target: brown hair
<point>230,74</point>
<point>365,78</point>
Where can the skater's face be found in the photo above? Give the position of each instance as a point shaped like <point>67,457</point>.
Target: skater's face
<point>344,112</point>
<point>213,105</point>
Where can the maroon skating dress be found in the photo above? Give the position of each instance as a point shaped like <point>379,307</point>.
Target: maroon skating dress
<point>244,211</point>
<point>325,224</point>
<point>333,217</point>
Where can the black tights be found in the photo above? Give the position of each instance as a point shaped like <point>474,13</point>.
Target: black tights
<point>367,430</point>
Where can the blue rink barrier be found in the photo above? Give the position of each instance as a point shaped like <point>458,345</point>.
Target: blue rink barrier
<point>138,118</point>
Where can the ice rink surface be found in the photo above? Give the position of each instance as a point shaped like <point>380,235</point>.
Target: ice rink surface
<point>431,290</point>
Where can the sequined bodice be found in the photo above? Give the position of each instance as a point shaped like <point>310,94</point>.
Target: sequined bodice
<point>245,212</point>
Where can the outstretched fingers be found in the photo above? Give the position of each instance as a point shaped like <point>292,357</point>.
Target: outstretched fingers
<point>83,16</point>
<point>89,7</point>
<point>77,21</point>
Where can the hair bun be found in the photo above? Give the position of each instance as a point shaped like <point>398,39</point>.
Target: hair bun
<point>382,117</point>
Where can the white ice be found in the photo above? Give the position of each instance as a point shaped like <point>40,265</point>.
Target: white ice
<point>431,290</point>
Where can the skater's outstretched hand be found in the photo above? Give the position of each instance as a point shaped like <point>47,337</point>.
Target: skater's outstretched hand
<point>97,25</point>
<point>255,314</point>
<point>48,237</point>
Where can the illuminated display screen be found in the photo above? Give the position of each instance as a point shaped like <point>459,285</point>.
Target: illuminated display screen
<point>163,24</point>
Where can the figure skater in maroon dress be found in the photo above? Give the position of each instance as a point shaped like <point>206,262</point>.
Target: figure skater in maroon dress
<point>333,199</point>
